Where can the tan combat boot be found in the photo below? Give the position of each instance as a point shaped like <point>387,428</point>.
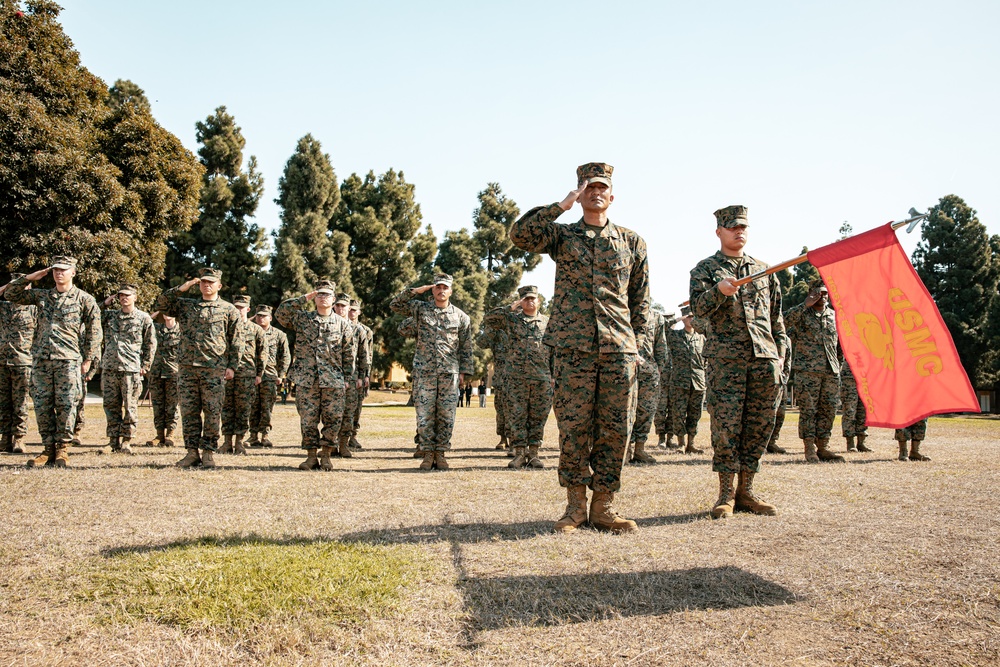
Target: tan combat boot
<point>533,460</point>
<point>576,510</point>
<point>440,462</point>
<point>324,458</point>
<point>354,444</point>
<point>126,447</point>
<point>252,440</point>
<point>62,455</point>
<point>662,442</point>
<point>903,454</point>
<point>747,501</point>
<point>851,447</point>
<point>227,445</point>
<point>238,447</point>
<point>726,503</point>
<point>265,441</point>
<point>824,453</point>
<point>46,458</point>
<point>519,459</point>
<point>810,444</point>
<point>428,461</point>
<point>345,448</point>
<point>773,448</point>
<point>157,441</point>
<point>168,438</point>
<point>502,444</point>
<point>191,458</point>
<point>640,455</point>
<point>691,449</point>
<point>311,462</point>
<point>604,517</point>
<point>674,445</point>
<point>207,458</point>
<point>861,443</point>
<point>17,447</point>
<point>915,454</point>
<point>113,445</point>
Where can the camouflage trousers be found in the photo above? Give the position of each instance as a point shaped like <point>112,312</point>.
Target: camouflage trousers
<point>201,392</point>
<point>262,406</point>
<point>121,402</point>
<point>321,410</point>
<point>664,419</point>
<point>742,398</point>
<point>528,407</point>
<point>499,398</point>
<point>853,413</point>
<point>163,395</point>
<point>816,394</point>
<point>81,404</point>
<point>55,391</point>
<point>595,402</point>
<point>779,415</point>
<point>236,405</point>
<point>435,396</point>
<point>15,383</point>
<point>915,431</point>
<point>357,411</point>
<point>351,399</point>
<point>687,406</point>
<point>647,402</point>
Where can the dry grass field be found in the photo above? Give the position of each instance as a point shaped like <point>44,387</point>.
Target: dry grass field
<point>129,561</point>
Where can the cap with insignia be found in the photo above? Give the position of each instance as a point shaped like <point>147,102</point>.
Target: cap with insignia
<point>685,311</point>
<point>263,309</point>
<point>343,299</point>
<point>325,287</point>
<point>527,290</point>
<point>594,172</point>
<point>443,279</point>
<point>732,216</point>
<point>241,300</point>
<point>129,289</point>
<point>355,304</point>
<point>63,262</point>
<point>207,273</point>
<point>817,284</point>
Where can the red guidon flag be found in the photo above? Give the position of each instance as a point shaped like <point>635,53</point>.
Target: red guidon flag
<point>903,358</point>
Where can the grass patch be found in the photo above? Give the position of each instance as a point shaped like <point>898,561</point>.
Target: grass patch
<point>240,583</point>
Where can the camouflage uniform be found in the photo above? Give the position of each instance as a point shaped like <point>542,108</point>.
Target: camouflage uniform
<point>688,382</point>
<point>129,347</point>
<point>209,345</point>
<point>779,415</point>
<point>81,404</point>
<point>530,361</point>
<point>816,369</point>
<point>276,367</point>
<point>854,415</point>
<point>496,341</point>
<point>600,313</point>
<point>323,351</point>
<point>68,331</point>
<point>368,335</point>
<point>240,391</point>
<point>443,351</point>
<point>915,433</point>
<point>163,377</point>
<point>663,420</point>
<point>654,355</point>
<point>358,369</point>
<point>17,328</point>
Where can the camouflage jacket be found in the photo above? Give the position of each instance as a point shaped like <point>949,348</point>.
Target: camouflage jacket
<point>165,360</point>
<point>496,342</point>
<point>601,298</point>
<point>278,355</point>
<point>526,356</point>
<point>360,353</point>
<point>745,325</point>
<point>129,341</point>
<point>814,340</point>
<point>654,353</point>
<point>209,330</point>
<point>68,326</point>
<point>369,337</point>
<point>17,329</point>
<point>444,335</point>
<point>689,365</point>
<point>323,345</point>
<point>254,358</point>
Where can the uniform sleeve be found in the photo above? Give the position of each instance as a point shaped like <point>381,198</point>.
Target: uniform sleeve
<point>638,294</point>
<point>234,341</point>
<point>91,317</point>
<point>148,344</point>
<point>288,310</point>
<point>168,302</point>
<point>348,349</point>
<point>705,297</point>
<point>777,318</point>
<point>496,319</point>
<point>283,355</point>
<point>363,365</point>
<point>18,293</point>
<point>661,353</point>
<point>466,362</point>
<point>260,354</point>
<point>537,231</point>
<point>403,302</point>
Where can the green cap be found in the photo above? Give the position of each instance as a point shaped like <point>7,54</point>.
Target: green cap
<point>210,274</point>
<point>129,289</point>
<point>343,299</point>
<point>527,290</point>
<point>63,262</point>
<point>325,287</point>
<point>443,279</point>
<point>732,216</point>
<point>594,172</point>
<point>263,309</point>
<point>241,300</point>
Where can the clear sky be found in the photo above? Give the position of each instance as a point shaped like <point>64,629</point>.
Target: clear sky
<point>811,114</point>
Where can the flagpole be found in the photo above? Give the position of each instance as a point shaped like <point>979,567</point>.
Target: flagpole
<point>911,222</point>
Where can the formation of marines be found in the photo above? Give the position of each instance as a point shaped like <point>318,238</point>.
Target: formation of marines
<point>609,365</point>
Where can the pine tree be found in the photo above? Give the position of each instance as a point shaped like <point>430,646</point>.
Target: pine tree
<point>504,262</point>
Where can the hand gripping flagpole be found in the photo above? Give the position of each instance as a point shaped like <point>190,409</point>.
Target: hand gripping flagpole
<point>910,224</point>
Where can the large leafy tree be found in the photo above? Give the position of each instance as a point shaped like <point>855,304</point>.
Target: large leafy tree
<point>83,171</point>
<point>503,262</point>
<point>224,236</point>
<point>957,261</point>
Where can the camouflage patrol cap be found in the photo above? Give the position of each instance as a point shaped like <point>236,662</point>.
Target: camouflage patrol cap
<point>594,172</point>
<point>527,290</point>
<point>263,309</point>
<point>355,304</point>
<point>241,300</point>
<point>129,289</point>
<point>326,287</point>
<point>443,279</point>
<point>817,284</point>
<point>211,274</point>
<point>63,262</point>
<point>685,311</point>
<point>732,216</point>
<point>343,299</point>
